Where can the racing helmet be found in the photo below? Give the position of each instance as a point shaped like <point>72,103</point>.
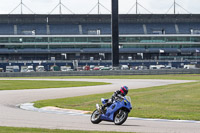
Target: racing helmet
<point>124,90</point>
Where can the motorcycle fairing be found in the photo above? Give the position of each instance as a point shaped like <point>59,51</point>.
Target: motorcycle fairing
<point>109,115</point>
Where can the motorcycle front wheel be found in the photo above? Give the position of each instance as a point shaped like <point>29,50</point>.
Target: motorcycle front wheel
<point>95,117</point>
<point>120,117</point>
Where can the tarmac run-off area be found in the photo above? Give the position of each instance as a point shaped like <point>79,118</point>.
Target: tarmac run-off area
<point>11,115</point>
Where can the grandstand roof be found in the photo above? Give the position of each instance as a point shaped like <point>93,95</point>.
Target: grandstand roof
<point>103,18</point>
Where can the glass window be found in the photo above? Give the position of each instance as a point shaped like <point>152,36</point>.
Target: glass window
<point>106,39</point>
<point>55,46</point>
<point>28,46</point>
<point>195,39</point>
<point>67,39</point>
<point>186,46</point>
<point>81,39</point>
<point>67,46</point>
<point>4,40</point>
<point>122,39</point>
<point>61,39</point>
<point>16,40</point>
<point>93,39</point>
<point>55,39</point>
<point>133,39</point>
<point>41,46</point>
<point>105,46</point>
<point>28,40</point>
<point>41,39</point>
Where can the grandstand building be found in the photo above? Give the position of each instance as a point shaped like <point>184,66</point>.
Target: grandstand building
<point>144,38</point>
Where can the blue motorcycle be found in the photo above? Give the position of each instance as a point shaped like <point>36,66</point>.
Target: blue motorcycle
<point>117,112</point>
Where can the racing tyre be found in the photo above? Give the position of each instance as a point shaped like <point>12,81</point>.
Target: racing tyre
<point>120,117</point>
<point>95,117</point>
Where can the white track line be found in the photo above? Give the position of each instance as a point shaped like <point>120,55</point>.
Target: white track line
<point>30,107</point>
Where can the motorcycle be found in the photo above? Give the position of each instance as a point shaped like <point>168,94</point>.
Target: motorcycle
<point>117,112</point>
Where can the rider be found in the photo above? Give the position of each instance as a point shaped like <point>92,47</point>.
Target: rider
<point>117,94</point>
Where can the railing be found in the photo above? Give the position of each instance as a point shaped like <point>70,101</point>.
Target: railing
<point>102,73</point>
<point>96,61</point>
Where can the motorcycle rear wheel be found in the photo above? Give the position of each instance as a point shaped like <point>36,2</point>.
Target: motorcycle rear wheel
<point>120,117</point>
<point>95,117</point>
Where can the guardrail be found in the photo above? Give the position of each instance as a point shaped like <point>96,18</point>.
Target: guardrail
<point>96,61</point>
<point>103,73</point>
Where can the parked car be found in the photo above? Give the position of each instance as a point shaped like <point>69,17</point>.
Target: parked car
<point>124,67</point>
<point>40,68</point>
<point>189,66</point>
<point>54,68</point>
<point>92,67</point>
<point>24,68</point>
<point>157,67</point>
<point>153,67</point>
<point>1,69</point>
<point>65,68</point>
<point>86,68</point>
<point>96,68</point>
<point>30,69</point>
<point>142,68</point>
<point>168,67</point>
<point>12,68</point>
<point>79,68</point>
<point>106,68</point>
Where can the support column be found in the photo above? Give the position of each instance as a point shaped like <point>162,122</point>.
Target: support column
<point>115,34</point>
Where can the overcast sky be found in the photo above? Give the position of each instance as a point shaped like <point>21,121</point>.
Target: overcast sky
<point>84,6</point>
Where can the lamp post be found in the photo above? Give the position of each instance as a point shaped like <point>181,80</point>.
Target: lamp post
<point>115,34</point>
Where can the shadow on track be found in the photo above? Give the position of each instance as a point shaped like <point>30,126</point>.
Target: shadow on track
<point>124,125</point>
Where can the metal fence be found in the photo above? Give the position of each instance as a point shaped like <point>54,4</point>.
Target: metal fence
<point>102,73</point>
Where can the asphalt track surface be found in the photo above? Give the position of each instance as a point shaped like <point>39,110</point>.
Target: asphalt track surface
<point>11,115</point>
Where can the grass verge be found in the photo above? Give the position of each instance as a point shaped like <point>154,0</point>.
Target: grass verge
<point>174,77</point>
<point>179,101</point>
<point>24,84</point>
<point>40,130</point>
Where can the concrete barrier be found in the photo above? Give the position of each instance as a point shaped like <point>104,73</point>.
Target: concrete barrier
<point>102,73</point>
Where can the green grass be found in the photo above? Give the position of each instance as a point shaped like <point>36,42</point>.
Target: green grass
<point>179,101</point>
<point>175,77</point>
<point>40,130</point>
<point>24,84</point>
